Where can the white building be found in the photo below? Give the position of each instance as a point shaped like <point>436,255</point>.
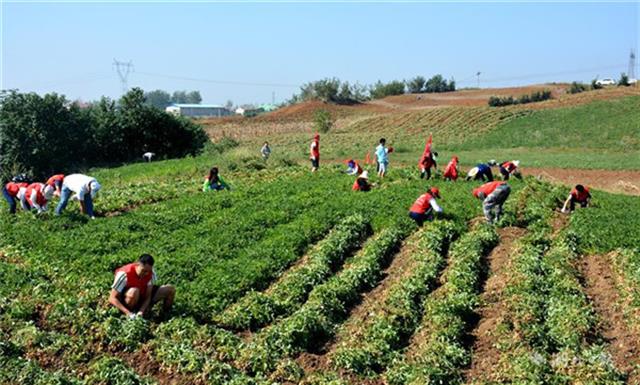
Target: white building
<point>198,110</point>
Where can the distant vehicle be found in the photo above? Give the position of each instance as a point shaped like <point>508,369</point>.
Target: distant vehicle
<point>633,81</point>
<point>605,82</point>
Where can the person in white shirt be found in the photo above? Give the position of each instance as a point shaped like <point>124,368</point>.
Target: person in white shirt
<point>147,156</point>
<point>84,189</point>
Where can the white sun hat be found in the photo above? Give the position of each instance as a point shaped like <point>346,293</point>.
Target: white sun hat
<point>517,163</point>
<point>365,174</point>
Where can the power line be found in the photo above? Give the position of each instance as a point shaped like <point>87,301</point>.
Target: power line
<point>548,74</point>
<point>229,82</point>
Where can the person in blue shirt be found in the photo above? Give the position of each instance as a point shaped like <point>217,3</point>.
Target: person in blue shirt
<point>482,172</point>
<point>382,157</point>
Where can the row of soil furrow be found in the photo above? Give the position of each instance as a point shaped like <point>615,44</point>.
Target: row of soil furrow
<point>493,310</point>
<point>327,306</point>
<point>289,291</point>
<point>439,350</point>
<point>623,341</point>
<point>388,314</point>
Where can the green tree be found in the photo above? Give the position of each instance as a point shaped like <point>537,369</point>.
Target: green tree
<point>624,80</point>
<point>322,121</point>
<point>194,97</point>
<point>158,98</point>
<point>416,85</point>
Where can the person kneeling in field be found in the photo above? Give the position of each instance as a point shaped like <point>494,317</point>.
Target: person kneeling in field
<point>423,208</point>
<point>214,181</point>
<point>362,182</point>
<point>579,194</point>
<point>134,291</point>
<point>493,196</point>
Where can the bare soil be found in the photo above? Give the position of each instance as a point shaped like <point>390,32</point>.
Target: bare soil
<point>370,304</point>
<point>485,355</point>
<point>624,343</point>
<point>621,182</point>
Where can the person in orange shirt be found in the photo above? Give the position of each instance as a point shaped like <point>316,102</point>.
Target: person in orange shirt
<point>579,194</point>
<point>11,193</point>
<point>314,153</point>
<point>362,182</point>
<point>423,208</point>
<point>493,196</point>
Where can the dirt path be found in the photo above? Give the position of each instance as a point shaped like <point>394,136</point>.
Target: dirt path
<point>370,304</point>
<point>615,181</point>
<point>485,355</point>
<point>624,344</point>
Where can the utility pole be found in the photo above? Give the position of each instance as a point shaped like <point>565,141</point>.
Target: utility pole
<point>478,76</point>
<point>273,97</point>
<point>632,65</point>
<point>123,69</point>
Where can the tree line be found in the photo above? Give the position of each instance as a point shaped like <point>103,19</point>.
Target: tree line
<point>333,90</point>
<point>41,135</point>
<point>162,99</point>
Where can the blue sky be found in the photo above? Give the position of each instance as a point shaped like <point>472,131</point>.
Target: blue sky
<point>69,47</point>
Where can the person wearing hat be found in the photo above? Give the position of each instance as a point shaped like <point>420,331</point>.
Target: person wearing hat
<point>353,168</point>
<point>423,208</point>
<point>84,188</point>
<point>579,194</point>
<point>451,171</point>
<point>481,172</point>
<point>37,196</point>
<point>314,153</point>
<point>12,193</point>
<point>509,168</point>
<point>362,182</point>
<point>493,196</point>
<point>56,182</point>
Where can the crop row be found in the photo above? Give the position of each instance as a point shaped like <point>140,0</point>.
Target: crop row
<point>375,344</point>
<point>327,305</point>
<point>257,309</point>
<point>626,264</point>
<point>438,353</point>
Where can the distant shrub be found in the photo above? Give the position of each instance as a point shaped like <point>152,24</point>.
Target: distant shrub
<point>438,84</point>
<point>624,80</point>
<point>322,121</point>
<point>595,85</point>
<point>381,90</point>
<point>538,96</point>
<point>576,88</point>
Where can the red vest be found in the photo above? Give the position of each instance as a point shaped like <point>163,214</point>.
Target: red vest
<point>133,280</point>
<point>580,197</point>
<point>421,205</point>
<point>509,166</point>
<point>425,161</point>
<point>14,188</point>
<point>40,199</point>
<point>52,181</point>
<point>315,151</point>
<point>450,171</point>
<point>487,188</point>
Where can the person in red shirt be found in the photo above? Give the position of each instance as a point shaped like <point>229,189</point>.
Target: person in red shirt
<point>423,208</point>
<point>10,192</point>
<point>579,194</point>
<point>314,153</point>
<point>493,196</point>
<point>362,182</point>
<point>427,161</point>
<point>510,168</point>
<point>353,168</point>
<point>134,291</point>
<point>451,171</point>
<point>37,197</point>
<point>56,182</point>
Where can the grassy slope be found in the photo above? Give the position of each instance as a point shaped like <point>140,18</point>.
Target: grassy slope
<point>601,134</point>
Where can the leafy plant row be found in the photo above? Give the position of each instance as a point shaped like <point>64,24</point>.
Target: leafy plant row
<point>626,264</point>
<point>374,346</point>
<point>257,309</point>
<point>327,305</point>
<point>438,352</point>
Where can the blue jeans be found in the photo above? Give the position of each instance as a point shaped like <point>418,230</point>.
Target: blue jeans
<point>421,218</point>
<point>10,200</point>
<point>65,195</point>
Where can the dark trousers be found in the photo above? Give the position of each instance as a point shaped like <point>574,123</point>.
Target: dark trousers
<point>10,200</point>
<point>421,218</point>
<point>505,173</point>
<point>573,201</point>
<point>426,172</point>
